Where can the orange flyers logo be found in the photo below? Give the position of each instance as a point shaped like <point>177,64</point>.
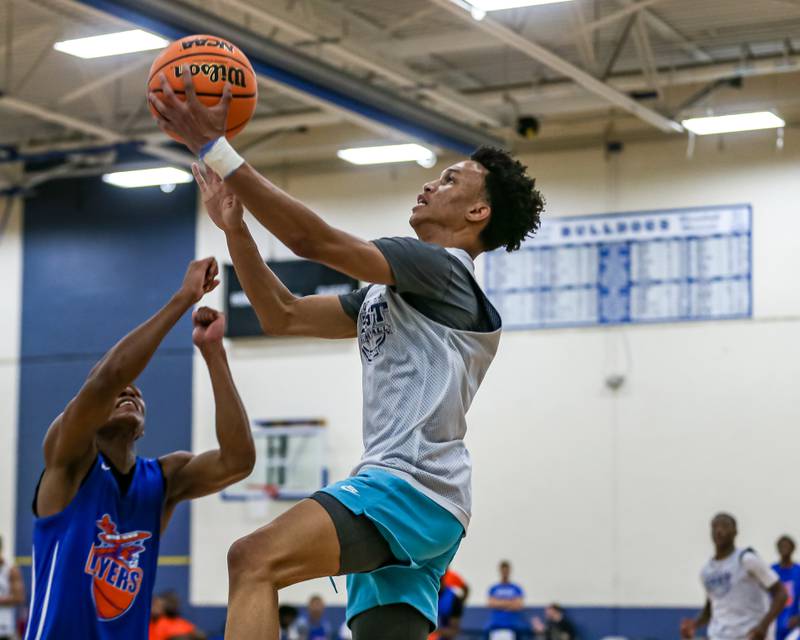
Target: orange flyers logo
<point>113,564</point>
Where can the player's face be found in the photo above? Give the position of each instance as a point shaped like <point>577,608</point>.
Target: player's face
<point>723,532</point>
<point>446,201</point>
<point>128,412</point>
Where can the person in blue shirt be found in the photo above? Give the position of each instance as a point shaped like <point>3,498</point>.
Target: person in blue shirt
<point>506,603</point>
<point>789,573</point>
<point>313,626</point>
<point>99,508</point>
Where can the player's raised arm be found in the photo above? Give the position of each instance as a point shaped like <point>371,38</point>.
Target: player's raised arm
<point>70,440</point>
<point>279,311</point>
<point>192,476</point>
<point>303,231</point>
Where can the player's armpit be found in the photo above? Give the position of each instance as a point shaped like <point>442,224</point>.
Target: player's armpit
<point>318,317</point>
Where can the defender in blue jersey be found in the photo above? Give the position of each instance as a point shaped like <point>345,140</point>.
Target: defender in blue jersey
<point>789,573</point>
<point>427,334</point>
<point>100,509</point>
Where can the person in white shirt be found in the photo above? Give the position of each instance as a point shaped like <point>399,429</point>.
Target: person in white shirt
<point>744,595</point>
<point>12,595</point>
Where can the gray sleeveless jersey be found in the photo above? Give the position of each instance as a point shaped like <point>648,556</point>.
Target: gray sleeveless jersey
<point>419,379</point>
<point>737,588</point>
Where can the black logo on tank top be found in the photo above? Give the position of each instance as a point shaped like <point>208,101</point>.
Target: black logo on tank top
<point>374,326</point>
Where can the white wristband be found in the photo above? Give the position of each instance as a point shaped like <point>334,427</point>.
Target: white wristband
<point>221,157</point>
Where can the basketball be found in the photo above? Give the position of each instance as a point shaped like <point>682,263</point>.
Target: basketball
<point>110,601</point>
<point>212,62</point>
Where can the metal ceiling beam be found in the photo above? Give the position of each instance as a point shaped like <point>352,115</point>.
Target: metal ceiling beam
<point>559,64</point>
<point>645,52</point>
<point>611,18</point>
<point>670,33</point>
<point>106,135</point>
<point>360,55</point>
<point>286,65</point>
<point>700,74</point>
<point>104,79</point>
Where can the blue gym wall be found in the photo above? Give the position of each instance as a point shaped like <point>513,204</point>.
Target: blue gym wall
<point>97,261</point>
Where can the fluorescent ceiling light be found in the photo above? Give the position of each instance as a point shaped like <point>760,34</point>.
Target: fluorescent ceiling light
<point>111,44</point>
<point>733,123</point>
<point>389,153</point>
<point>147,177</point>
<point>498,5</point>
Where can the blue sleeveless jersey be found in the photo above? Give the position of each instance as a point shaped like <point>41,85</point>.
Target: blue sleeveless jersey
<point>94,563</point>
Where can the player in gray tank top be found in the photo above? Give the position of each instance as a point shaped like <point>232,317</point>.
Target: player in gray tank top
<point>427,334</point>
<point>744,595</point>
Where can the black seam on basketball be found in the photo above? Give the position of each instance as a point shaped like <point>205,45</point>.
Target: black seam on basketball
<point>205,94</point>
<point>108,600</point>
<point>194,55</point>
<point>241,124</point>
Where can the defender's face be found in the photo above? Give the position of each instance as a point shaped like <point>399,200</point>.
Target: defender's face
<point>128,412</point>
<point>723,532</point>
<point>446,200</point>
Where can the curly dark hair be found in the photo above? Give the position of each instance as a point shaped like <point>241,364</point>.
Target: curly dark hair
<point>516,202</point>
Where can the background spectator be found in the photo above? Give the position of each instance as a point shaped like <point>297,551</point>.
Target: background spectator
<point>506,602</point>
<point>555,625</point>
<point>12,595</point>
<point>451,609</point>
<point>312,626</point>
<point>166,622</point>
<point>789,573</point>
<point>455,582</point>
<point>287,620</point>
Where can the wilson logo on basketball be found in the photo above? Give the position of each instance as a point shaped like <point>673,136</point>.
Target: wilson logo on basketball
<point>113,564</point>
<point>215,72</point>
<point>206,42</point>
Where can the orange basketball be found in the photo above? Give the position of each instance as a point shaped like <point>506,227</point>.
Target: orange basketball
<point>109,601</point>
<point>212,62</point>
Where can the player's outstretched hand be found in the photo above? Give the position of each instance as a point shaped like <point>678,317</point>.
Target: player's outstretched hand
<point>688,629</point>
<point>192,121</point>
<point>209,327</point>
<point>200,278</point>
<point>224,208</point>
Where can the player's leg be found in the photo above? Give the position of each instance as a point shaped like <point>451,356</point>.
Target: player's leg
<point>316,538</point>
<point>391,622</point>
<point>298,545</point>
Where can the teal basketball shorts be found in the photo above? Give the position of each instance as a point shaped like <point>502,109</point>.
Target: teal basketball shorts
<point>422,536</point>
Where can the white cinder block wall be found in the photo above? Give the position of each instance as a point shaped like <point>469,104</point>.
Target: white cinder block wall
<point>598,498</point>
<point>10,316</point>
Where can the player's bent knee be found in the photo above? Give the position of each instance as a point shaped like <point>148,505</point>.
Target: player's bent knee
<point>250,558</point>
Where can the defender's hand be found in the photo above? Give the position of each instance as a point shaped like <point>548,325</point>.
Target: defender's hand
<point>224,208</point>
<point>195,123</point>
<point>200,278</point>
<point>209,327</point>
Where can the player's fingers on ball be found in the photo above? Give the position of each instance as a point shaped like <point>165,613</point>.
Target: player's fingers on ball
<point>162,109</point>
<point>188,84</point>
<point>227,96</point>
<point>197,172</point>
<point>169,95</point>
